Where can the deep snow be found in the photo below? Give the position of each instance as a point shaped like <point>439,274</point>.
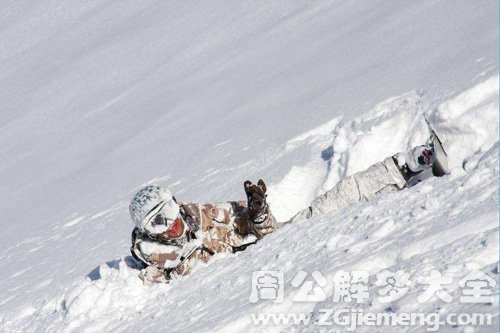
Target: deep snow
<point>103,97</point>
<point>449,224</point>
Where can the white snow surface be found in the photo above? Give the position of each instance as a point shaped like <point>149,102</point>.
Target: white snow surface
<point>99,98</point>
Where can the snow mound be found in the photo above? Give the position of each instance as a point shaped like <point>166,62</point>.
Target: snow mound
<point>468,123</point>
<point>345,146</point>
<point>109,292</point>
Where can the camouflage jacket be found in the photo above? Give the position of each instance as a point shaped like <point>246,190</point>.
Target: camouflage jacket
<point>213,228</point>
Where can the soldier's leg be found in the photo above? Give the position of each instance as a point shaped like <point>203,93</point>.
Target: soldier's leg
<point>362,186</point>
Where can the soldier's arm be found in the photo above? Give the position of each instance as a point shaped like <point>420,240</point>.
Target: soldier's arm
<point>259,213</point>
<point>248,224</point>
<point>134,249</point>
<point>254,217</point>
<point>233,228</point>
<point>152,253</point>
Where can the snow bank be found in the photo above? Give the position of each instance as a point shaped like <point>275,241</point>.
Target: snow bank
<point>468,123</point>
<point>347,145</point>
<point>112,291</point>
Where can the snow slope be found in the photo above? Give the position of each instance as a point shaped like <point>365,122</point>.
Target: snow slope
<point>449,224</point>
<point>100,98</point>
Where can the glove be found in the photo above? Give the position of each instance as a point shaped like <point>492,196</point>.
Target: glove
<point>151,275</point>
<point>256,196</point>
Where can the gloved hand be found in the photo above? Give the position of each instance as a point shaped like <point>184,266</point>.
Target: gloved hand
<point>151,275</point>
<point>256,196</point>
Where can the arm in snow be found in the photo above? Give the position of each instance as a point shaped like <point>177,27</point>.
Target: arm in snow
<point>152,253</point>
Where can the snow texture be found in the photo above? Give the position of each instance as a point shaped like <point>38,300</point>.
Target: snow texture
<point>101,98</point>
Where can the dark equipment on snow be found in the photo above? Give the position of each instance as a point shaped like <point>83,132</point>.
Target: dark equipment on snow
<point>440,165</point>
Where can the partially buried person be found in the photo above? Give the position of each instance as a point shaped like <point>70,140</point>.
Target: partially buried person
<point>170,237</point>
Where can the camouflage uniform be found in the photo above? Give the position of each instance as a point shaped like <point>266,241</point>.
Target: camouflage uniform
<point>212,228</point>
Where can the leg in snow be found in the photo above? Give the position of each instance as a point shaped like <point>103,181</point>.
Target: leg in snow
<point>389,175</point>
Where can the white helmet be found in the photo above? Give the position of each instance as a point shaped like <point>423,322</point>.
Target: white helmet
<point>147,203</point>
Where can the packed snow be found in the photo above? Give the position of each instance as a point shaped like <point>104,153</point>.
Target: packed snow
<point>99,99</point>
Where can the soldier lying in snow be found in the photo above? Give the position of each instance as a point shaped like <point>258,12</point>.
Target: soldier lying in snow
<point>171,237</point>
